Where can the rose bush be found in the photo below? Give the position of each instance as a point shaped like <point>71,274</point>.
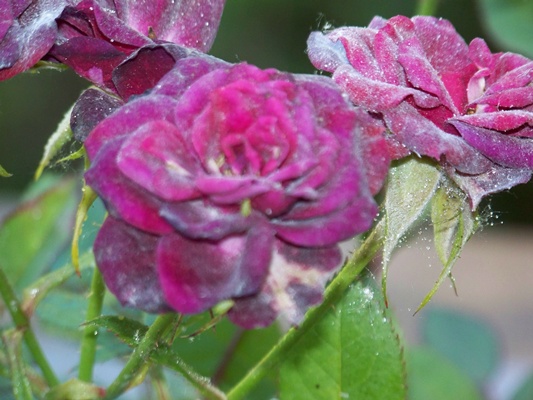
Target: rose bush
<point>439,97</point>
<point>230,182</point>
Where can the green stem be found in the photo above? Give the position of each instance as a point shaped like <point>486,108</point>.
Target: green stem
<point>426,7</point>
<point>333,293</point>
<point>21,321</point>
<point>89,339</point>
<point>140,355</point>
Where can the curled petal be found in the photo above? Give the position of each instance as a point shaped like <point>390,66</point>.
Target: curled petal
<point>507,151</point>
<point>494,180</point>
<point>157,158</point>
<point>124,199</point>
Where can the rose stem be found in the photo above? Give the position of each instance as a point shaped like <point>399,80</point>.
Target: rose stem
<point>21,321</point>
<point>333,293</point>
<point>426,7</point>
<point>89,339</point>
<point>140,355</point>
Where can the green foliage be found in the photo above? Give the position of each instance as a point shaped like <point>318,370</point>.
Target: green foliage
<point>510,23</point>
<point>453,224</point>
<point>21,387</point>
<point>4,173</point>
<point>467,342</point>
<point>353,352</point>
<point>32,236</point>
<point>431,376</point>
<point>412,184</point>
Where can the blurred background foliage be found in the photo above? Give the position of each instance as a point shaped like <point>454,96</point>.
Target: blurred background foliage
<point>267,33</point>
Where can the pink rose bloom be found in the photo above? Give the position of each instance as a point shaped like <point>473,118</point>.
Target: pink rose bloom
<point>439,97</point>
<point>230,182</point>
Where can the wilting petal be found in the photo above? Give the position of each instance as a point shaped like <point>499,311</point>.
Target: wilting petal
<point>295,283</point>
<point>495,180</point>
<point>92,107</point>
<point>126,257</point>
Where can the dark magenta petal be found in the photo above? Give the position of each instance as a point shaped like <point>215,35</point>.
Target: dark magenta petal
<point>495,180</point>
<point>201,220</point>
<point>92,107</point>
<point>91,58</point>
<point>190,23</point>
<point>127,119</point>
<point>326,230</point>
<point>123,198</point>
<point>507,151</point>
<point>196,275</point>
<point>127,259</point>
<point>142,70</point>
<point>518,121</point>
<point>425,138</point>
<point>295,283</point>
<point>157,158</point>
<point>26,33</point>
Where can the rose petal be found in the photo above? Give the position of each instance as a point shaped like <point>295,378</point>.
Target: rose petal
<point>126,258</point>
<point>29,37</point>
<point>128,119</point>
<point>195,275</point>
<point>92,107</point>
<point>424,138</point>
<point>495,180</point>
<point>295,283</point>
<point>157,158</point>
<point>201,220</point>
<point>507,151</point>
<point>123,198</point>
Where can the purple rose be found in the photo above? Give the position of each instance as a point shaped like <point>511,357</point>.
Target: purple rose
<point>439,97</point>
<point>95,36</point>
<point>231,182</point>
<point>27,31</point>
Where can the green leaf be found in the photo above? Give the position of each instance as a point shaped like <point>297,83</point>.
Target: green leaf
<point>55,143</point>
<point>352,353</point>
<point>13,345</point>
<point>510,22</point>
<point>35,293</point>
<point>526,390</point>
<point>467,342</point>
<point>431,376</point>
<point>412,184</point>
<point>454,223</point>
<point>4,173</point>
<point>250,347</point>
<point>33,235</point>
